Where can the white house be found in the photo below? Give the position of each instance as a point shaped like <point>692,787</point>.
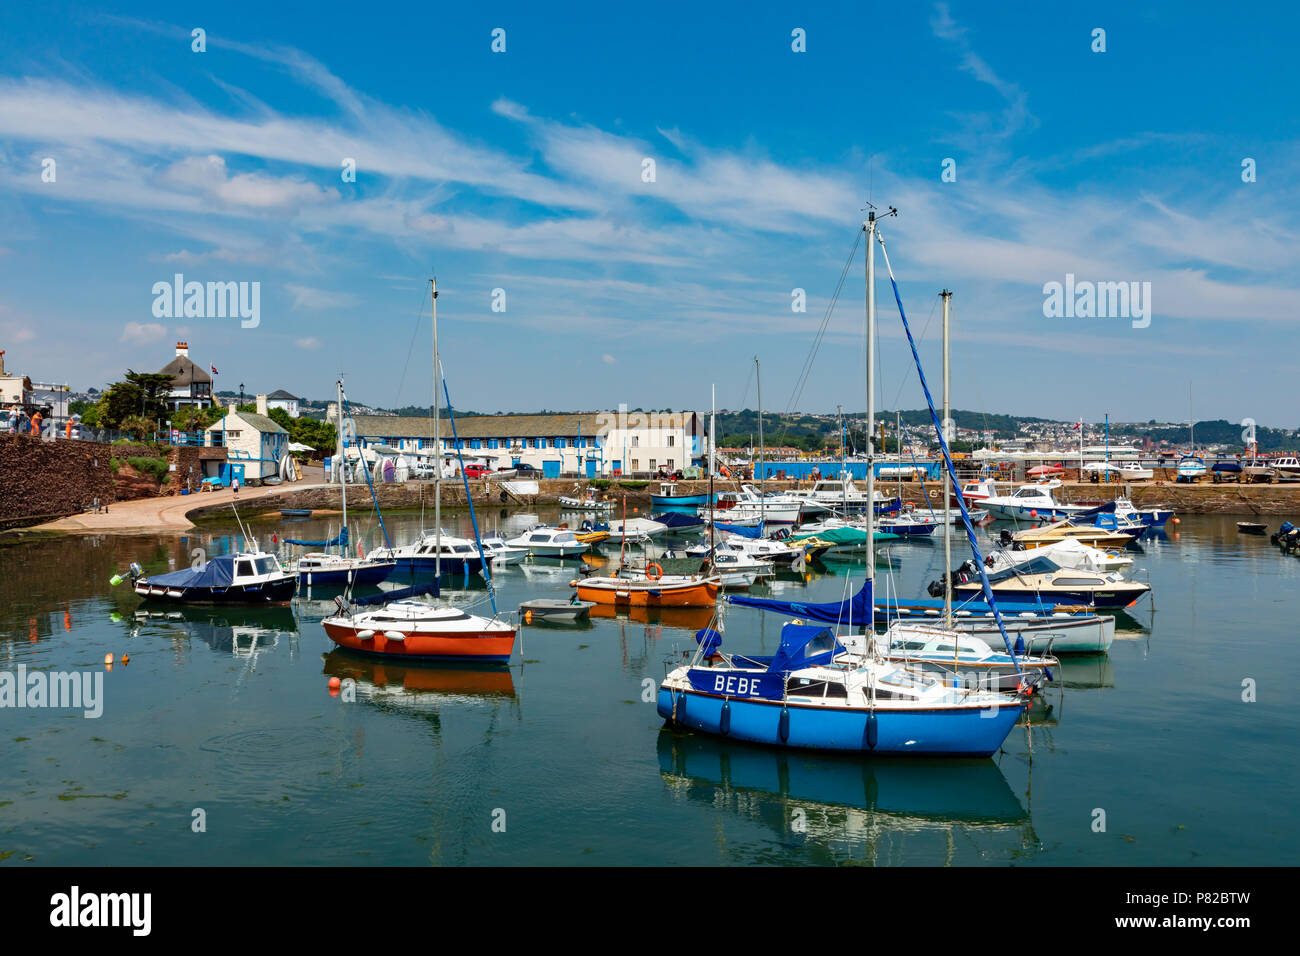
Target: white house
<point>191,386</point>
<point>253,441</point>
<point>282,399</point>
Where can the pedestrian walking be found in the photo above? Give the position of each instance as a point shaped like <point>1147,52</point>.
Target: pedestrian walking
<point>234,483</point>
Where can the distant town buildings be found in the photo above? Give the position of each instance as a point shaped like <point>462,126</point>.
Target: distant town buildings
<point>283,400</point>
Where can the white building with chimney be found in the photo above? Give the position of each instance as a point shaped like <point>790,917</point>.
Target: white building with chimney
<point>255,444</point>
<point>191,385</point>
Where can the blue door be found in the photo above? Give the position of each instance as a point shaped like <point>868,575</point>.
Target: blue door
<point>591,468</point>
<point>550,469</point>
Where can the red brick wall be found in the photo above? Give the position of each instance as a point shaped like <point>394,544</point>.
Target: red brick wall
<point>42,480</point>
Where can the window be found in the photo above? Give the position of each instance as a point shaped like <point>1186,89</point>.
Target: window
<point>243,569</point>
<point>670,464</point>
<point>550,443</point>
<point>636,441</point>
<point>636,464</point>
<point>671,439</point>
<point>492,443</point>
<point>560,443</point>
<point>267,565</point>
<point>534,443</point>
<point>652,464</point>
<point>475,443</point>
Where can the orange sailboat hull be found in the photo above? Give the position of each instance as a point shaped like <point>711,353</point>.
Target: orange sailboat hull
<point>486,646</point>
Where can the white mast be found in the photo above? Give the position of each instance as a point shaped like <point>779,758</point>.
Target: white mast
<point>437,450</point>
<point>713,464</point>
<point>870,228</point>
<point>762,475</point>
<point>946,484</point>
<point>343,472</point>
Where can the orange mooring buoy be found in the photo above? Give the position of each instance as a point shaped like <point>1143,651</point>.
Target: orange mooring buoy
<point>108,659</point>
<point>335,683</point>
<point>126,659</point>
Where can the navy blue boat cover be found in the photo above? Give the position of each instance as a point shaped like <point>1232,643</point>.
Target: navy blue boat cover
<point>856,611</point>
<point>400,594</point>
<point>676,519</point>
<point>804,645</point>
<point>217,573</point>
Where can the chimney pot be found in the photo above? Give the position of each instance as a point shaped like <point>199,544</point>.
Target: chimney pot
<point>183,349</point>
<point>261,405</point>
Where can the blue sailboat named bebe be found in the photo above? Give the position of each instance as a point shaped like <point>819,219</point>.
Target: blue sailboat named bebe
<point>813,694</point>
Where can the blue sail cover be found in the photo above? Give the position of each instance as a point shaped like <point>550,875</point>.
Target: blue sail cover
<point>855,612</point>
<point>217,573</point>
<point>677,519</point>
<point>745,531</point>
<point>804,645</point>
<point>400,594</point>
<point>341,539</point>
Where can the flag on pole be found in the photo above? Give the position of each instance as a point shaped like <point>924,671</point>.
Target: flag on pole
<point>214,369</point>
<point>1077,425</point>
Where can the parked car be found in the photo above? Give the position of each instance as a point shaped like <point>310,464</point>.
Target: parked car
<point>477,471</point>
<point>528,471</point>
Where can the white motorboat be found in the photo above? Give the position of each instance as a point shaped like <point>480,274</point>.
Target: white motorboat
<point>549,542</point>
<point>774,509</point>
<point>1286,469</point>
<point>500,554</point>
<point>1031,502</point>
<point>433,552</point>
<point>784,553</point>
<point>842,495</point>
<point>1116,471</point>
<point>1068,553</point>
<point>954,654</point>
<point>633,529</point>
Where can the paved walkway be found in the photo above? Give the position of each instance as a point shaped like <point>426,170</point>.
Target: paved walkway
<point>159,514</point>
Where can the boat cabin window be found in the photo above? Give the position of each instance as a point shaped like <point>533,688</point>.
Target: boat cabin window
<point>808,687</point>
<point>244,569</point>
<point>461,549</point>
<point>1078,582</point>
<point>539,537</point>
<point>267,565</point>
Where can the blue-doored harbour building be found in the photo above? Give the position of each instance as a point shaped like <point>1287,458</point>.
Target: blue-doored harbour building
<point>585,444</point>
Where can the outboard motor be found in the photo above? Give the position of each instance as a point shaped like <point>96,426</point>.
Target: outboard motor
<point>1005,537</point>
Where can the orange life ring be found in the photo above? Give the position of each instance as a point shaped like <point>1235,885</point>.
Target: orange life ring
<point>658,572</point>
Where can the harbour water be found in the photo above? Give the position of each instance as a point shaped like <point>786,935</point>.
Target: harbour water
<point>224,718</point>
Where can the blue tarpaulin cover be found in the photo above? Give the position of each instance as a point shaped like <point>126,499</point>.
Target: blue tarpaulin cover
<point>855,611</point>
<point>743,530</point>
<point>217,573</point>
<point>340,539</point>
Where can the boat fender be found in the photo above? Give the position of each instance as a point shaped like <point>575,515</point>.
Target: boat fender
<point>657,569</point>
<point>724,722</point>
<point>365,635</point>
<point>573,583</point>
<point>872,731</point>
<point>395,636</point>
<point>783,725</point>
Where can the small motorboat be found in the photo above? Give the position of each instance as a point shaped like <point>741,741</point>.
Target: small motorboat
<point>549,542</point>
<point>499,554</point>
<point>295,512</point>
<point>1041,578</point>
<point>1190,469</point>
<point>247,577</point>
<point>1286,469</point>
<point>1251,527</point>
<point>543,610</point>
<point>588,502</point>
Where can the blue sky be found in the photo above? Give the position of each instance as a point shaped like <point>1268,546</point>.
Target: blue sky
<point>522,171</point>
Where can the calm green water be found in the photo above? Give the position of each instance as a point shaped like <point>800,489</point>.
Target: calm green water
<point>229,711</point>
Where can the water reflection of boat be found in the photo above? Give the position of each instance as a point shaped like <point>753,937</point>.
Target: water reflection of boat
<point>851,801</point>
<point>684,618</point>
<point>1091,672</point>
<point>380,678</point>
<point>241,632</point>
